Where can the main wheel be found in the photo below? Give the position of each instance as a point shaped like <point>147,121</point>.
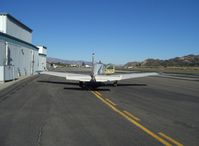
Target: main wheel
<point>115,84</point>
<point>81,84</point>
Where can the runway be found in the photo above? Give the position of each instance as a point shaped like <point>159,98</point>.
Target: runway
<point>46,111</point>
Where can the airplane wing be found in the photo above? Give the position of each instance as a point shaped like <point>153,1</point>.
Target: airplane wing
<point>109,78</point>
<point>69,76</point>
<point>137,75</point>
<point>98,78</point>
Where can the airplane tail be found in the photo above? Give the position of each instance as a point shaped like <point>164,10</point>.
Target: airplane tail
<point>93,65</point>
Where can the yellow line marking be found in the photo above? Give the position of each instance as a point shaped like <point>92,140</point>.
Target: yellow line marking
<point>170,139</point>
<point>155,136</point>
<point>131,115</point>
<point>111,102</point>
<point>98,93</point>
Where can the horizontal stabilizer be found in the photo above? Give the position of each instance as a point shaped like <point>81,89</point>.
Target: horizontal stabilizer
<point>78,77</point>
<point>107,78</point>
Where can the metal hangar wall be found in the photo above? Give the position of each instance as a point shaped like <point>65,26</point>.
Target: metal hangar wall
<point>18,56</point>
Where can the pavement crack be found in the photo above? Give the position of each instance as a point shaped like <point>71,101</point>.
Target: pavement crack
<point>41,130</point>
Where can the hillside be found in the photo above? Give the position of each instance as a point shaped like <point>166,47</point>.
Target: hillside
<point>61,61</point>
<point>184,61</point>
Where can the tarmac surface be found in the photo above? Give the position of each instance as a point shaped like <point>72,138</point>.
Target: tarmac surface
<point>45,110</point>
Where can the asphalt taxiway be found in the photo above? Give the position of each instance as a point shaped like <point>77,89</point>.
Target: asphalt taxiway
<point>46,111</point>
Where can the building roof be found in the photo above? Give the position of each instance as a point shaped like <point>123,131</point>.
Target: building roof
<point>9,37</point>
<point>16,21</point>
<point>42,46</point>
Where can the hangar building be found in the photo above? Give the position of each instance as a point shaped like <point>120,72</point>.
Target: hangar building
<point>18,56</point>
<point>42,58</point>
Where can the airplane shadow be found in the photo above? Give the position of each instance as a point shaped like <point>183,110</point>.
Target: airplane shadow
<point>90,86</point>
<point>63,83</point>
<point>131,84</point>
<point>86,89</point>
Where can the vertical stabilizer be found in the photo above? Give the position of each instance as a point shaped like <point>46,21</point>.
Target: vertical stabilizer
<point>93,65</point>
<point>93,59</point>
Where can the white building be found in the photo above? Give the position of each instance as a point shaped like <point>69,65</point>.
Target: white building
<point>18,56</point>
<point>13,27</point>
<point>42,58</point>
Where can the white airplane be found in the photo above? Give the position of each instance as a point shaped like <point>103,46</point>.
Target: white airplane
<point>97,75</point>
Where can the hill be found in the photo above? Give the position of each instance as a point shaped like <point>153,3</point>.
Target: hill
<point>184,61</point>
<point>62,61</point>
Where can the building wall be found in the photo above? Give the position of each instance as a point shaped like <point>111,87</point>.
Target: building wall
<point>10,27</point>
<point>42,57</point>
<point>1,73</point>
<point>18,57</point>
<point>3,24</point>
<point>15,30</point>
<point>2,52</point>
<point>42,50</point>
<point>42,62</point>
<point>23,58</point>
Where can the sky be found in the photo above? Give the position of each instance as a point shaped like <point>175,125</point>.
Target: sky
<point>118,31</point>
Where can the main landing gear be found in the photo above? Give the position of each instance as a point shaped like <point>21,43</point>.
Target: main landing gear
<point>81,84</point>
<point>115,84</point>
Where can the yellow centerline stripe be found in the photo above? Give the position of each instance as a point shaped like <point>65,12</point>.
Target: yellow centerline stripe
<point>133,121</point>
<point>111,102</point>
<point>98,93</point>
<point>170,139</point>
<point>132,116</point>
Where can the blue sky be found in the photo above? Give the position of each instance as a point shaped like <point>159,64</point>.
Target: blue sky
<point>118,31</point>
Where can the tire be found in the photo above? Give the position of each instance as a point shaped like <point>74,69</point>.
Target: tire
<point>115,84</point>
<point>81,84</point>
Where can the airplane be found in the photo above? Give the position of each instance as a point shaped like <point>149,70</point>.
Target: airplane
<point>109,69</point>
<point>97,75</point>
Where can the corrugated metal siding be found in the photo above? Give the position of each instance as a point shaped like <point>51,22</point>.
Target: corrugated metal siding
<point>23,57</point>
<point>24,60</point>
<point>18,32</point>
<point>3,24</point>
<point>1,73</point>
<point>2,52</point>
<point>42,63</point>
